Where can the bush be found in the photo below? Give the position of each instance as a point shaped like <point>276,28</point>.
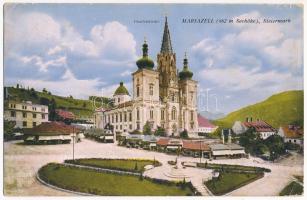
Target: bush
<point>184,134</point>
<point>160,131</point>
<point>147,129</point>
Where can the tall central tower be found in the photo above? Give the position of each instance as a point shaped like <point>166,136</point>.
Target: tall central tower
<point>168,80</point>
<point>168,83</point>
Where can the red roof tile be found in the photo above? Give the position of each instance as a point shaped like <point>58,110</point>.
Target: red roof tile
<point>260,126</point>
<point>52,128</point>
<point>65,114</point>
<point>293,132</point>
<point>195,145</point>
<point>203,122</point>
<point>163,141</point>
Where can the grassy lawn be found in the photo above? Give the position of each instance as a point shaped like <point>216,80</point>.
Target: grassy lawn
<point>107,184</point>
<point>133,165</point>
<point>227,182</point>
<point>232,167</point>
<point>293,188</point>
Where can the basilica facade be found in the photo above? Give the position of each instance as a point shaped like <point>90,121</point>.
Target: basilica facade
<point>162,96</point>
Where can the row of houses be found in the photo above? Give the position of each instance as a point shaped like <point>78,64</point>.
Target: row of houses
<point>196,148</point>
<point>290,133</point>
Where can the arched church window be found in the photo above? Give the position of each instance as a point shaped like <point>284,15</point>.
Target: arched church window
<point>151,113</point>
<point>151,89</point>
<point>137,90</point>
<point>137,114</point>
<point>192,115</point>
<point>162,114</point>
<point>174,113</point>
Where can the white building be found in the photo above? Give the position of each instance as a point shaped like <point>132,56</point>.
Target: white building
<point>25,114</point>
<point>264,129</point>
<point>204,126</point>
<point>163,97</point>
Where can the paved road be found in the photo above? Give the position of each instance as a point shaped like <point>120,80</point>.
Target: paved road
<point>21,163</point>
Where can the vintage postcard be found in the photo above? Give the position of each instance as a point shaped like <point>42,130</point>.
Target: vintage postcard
<point>153,99</point>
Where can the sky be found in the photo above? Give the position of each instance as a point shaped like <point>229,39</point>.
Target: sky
<point>87,49</point>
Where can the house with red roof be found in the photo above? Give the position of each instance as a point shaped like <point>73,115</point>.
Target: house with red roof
<point>292,134</point>
<point>52,132</point>
<point>65,115</point>
<point>204,125</point>
<point>263,128</point>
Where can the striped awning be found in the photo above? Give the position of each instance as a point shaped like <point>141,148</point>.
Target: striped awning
<point>172,147</point>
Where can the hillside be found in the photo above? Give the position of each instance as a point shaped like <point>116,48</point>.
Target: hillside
<point>81,108</point>
<point>279,109</point>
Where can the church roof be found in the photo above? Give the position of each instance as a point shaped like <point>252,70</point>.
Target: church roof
<point>203,122</point>
<point>166,41</point>
<point>121,90</point>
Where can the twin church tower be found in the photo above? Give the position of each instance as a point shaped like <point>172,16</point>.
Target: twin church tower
<point>163,97</point>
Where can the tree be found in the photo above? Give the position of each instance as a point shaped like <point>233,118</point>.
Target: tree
<point>276,146</point>
<point>71,97</point>
<point>44,101</point>
<point>8,128</point>
<point>160,131</point>
<point>33,93</point>
<point>250,140</point>
<point>44,90</point>
<point>52,108</point>
<point>136,166</point>
<point>17,86</point>
<point>147,129</point>
<point>84,105</point>
<point>261,149</point>
<point>184,134</point>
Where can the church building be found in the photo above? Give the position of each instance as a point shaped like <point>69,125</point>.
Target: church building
<point>161,95</point>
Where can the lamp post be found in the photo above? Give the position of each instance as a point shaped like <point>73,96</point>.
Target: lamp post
<point>200,151</point>
<point>73,144</point>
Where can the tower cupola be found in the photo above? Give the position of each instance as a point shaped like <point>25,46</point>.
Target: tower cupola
<point>145,61</point>
<point>185,74</point>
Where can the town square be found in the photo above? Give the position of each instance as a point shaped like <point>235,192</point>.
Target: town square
<point>125,103</point>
